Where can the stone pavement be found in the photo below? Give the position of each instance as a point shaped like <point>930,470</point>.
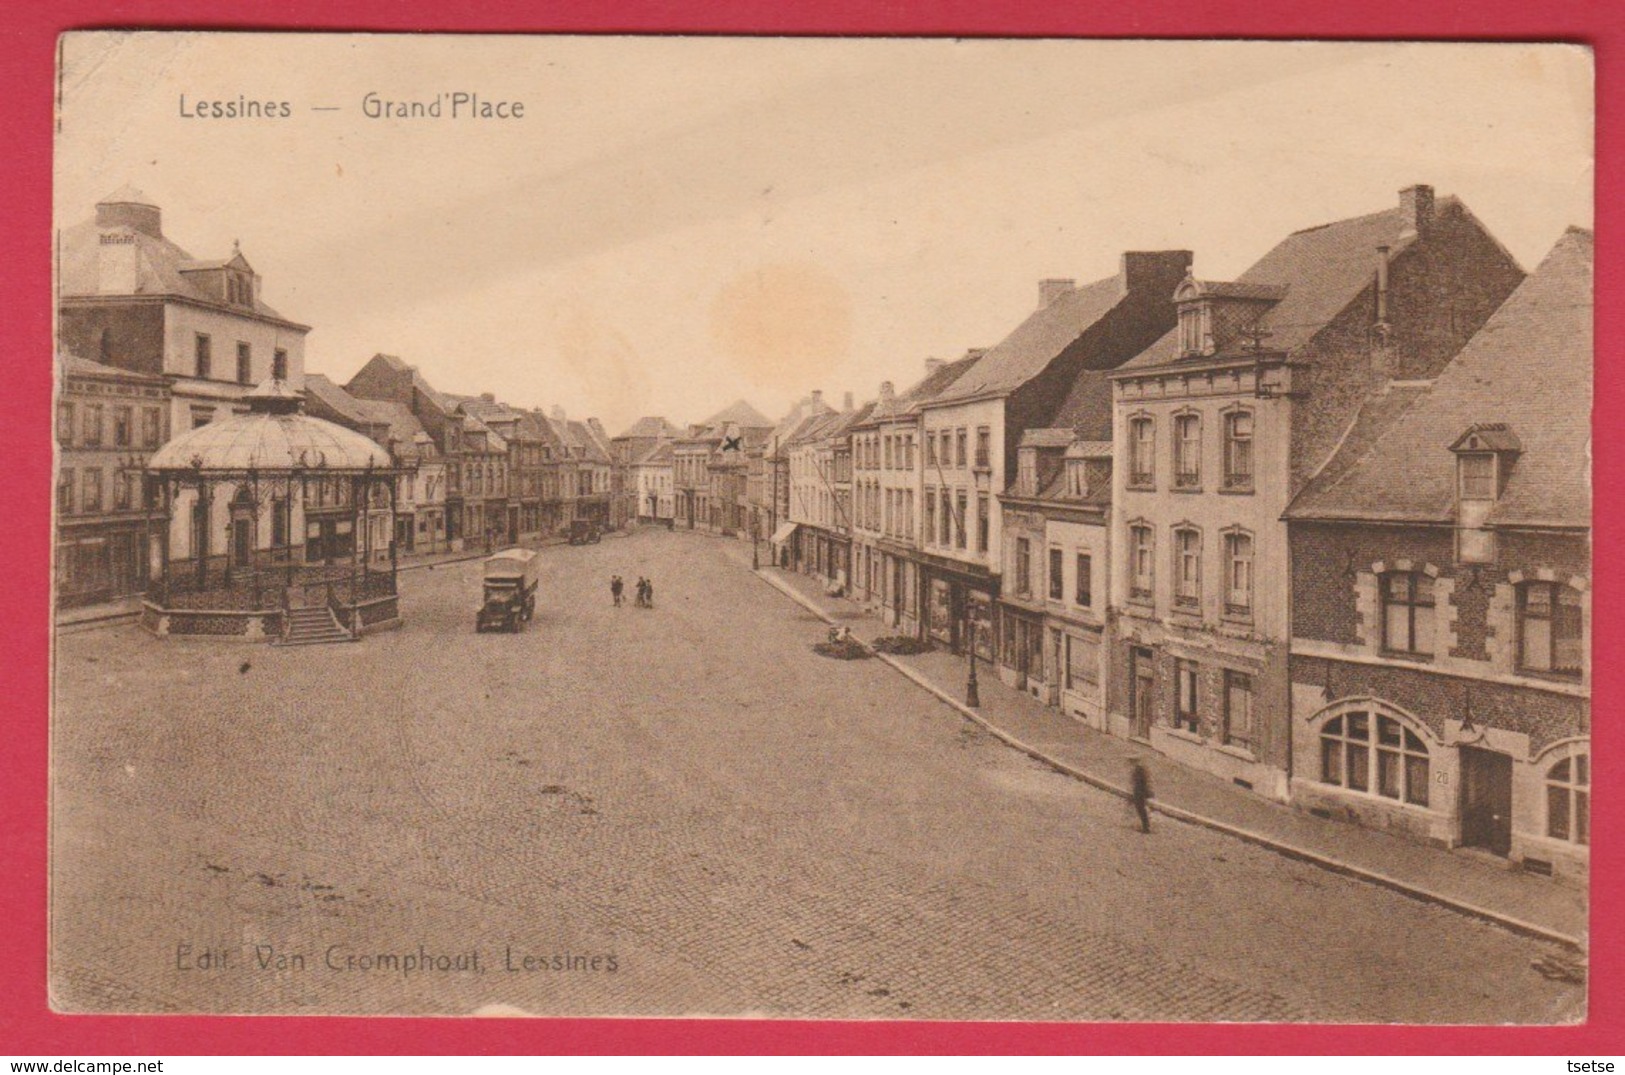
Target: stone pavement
<point>1540,907</point>
<point>747,827</point>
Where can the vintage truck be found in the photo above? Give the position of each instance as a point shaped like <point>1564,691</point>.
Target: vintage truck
<point>584,531</point>
<point>510,591</point>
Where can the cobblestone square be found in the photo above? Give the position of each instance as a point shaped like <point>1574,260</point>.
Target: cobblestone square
<point>673,811</point>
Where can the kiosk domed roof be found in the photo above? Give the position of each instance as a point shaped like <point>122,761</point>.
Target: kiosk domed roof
<point>272,437</point>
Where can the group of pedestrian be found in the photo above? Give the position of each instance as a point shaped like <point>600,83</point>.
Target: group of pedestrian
<point>645,596</point>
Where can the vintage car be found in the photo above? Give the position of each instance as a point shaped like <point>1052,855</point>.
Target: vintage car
<point>584,531</point>
<point>510,591</point>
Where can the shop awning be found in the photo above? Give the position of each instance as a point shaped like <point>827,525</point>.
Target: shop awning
<point>782,534</point>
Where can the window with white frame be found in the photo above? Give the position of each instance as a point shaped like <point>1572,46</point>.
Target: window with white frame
<point>1407,612</point>
<point>1142,550</point>
<point>1187,451</point>
<point>1195,328</point>
<point>1476,473</point>
<point>1376,755</point>
<point>1238,573</point>
<point>1568,799</point>
<point>1238,450</point>
<point>1551,628</point>
<point>1083,592</point>
<point>1187,567</point>
<point>1142,452</point>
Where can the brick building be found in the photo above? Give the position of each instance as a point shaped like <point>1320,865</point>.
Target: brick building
<point>1441,577</point>
<point>1225,419</point>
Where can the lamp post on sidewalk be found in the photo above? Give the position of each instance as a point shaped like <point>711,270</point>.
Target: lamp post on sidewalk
<point>973,696</point>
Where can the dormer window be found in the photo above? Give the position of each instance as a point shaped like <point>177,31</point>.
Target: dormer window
<point>1484,457</point>
<point>1027,476</point>
<point>1195,329</point>
<point>1476,476</point>
<point>1077,478</point>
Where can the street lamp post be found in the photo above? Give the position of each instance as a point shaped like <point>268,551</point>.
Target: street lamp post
<point>973,697</point>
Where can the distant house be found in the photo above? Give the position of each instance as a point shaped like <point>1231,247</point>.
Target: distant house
<point>108,521</point>
<point>1442,581</point>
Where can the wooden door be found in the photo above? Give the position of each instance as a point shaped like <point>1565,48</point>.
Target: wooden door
<point>1486,800</point>
<point>1142,690</point>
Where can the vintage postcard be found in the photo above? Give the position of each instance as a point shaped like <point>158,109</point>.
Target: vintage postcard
<point>822,528</point>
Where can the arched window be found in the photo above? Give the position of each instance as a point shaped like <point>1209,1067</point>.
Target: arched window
<point>1568,799</point>
<point>1551,632</point>
<point>1374,754</point>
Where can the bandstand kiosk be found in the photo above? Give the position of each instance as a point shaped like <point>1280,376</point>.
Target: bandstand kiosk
<point>268,535</point>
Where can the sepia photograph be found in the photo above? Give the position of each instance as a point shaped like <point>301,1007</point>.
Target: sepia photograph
<point>821,528</point>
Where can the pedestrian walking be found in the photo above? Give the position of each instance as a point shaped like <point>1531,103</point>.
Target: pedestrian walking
<point>615,588</point>
<point>1139,791</point>
<point>643,592</point>
<point>648,593</point>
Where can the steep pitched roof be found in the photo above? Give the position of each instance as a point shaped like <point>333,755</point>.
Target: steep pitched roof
<point>738,413</point>
<point>658,455</point>
<point>936,383</point>
<point>1529,367</point>
<point>1321,269</point>
<point>1036,342</point>
<point>650,426</point>
<point>336,399</point>
<point>596,450</point>
<point>159,266</point>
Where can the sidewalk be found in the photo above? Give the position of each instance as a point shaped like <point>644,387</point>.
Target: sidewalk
<point>1494,892</point>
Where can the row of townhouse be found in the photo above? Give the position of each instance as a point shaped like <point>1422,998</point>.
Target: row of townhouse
<point>711,464</point>
<point>154,342</point>
<point>511,475</point>
<point>1317,530</point>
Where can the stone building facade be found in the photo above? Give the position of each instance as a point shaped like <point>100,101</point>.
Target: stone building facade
<point>1221,422</point>
<point>1442,580</point>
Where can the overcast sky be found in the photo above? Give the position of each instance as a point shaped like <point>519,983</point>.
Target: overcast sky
<point>677,223</point>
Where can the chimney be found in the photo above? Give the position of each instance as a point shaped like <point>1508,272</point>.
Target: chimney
<point>932,365</point>
<point>1416,207</point>
<point>817,399</point>
<point>489,397</point>
<point>846,402</point>
<point>888,394</point>
<point>117,260</point>
<point>1158,272</point>
<point>597,427</point>
<point>1382,285</point>
<point>558,413</point>
<point>1052,289</point>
